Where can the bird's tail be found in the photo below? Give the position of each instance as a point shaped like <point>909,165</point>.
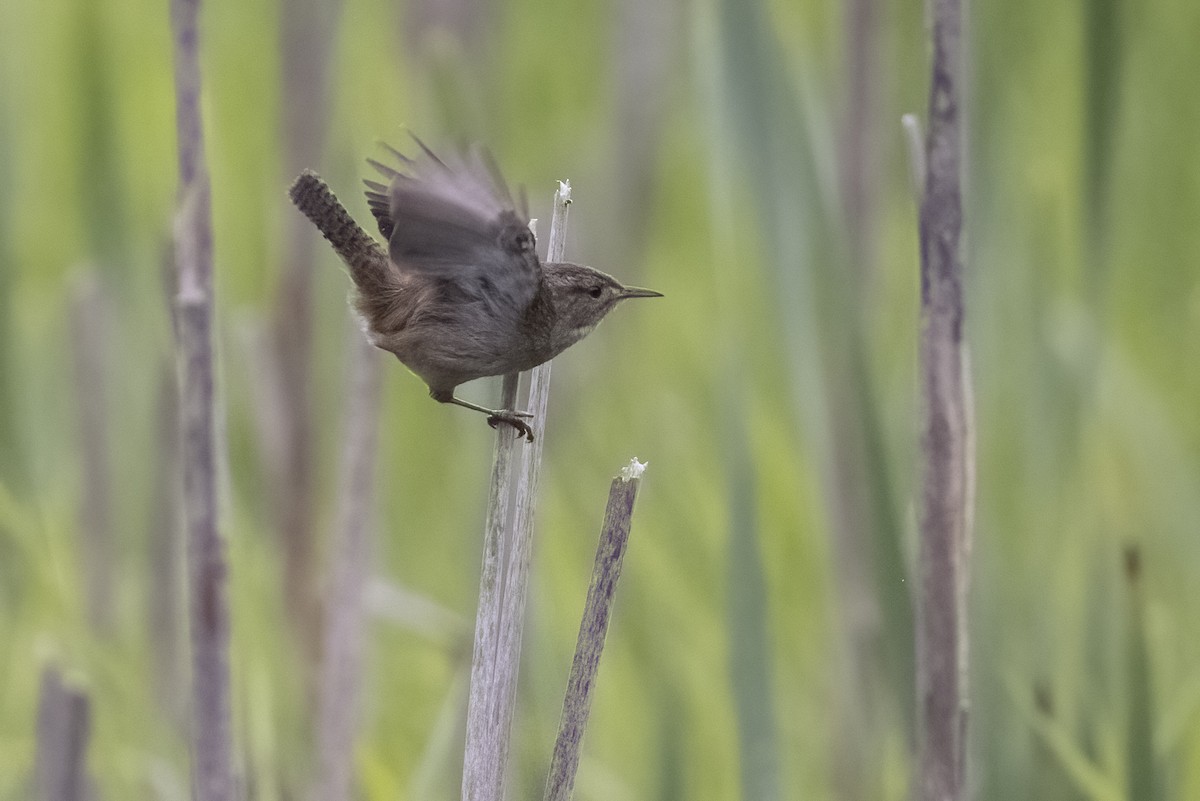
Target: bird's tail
<point>369,266</point>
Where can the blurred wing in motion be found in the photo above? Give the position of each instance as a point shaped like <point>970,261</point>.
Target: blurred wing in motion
<point>456,219</point>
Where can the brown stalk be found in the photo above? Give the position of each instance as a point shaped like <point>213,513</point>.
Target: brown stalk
<point>946,437</point>
<point>593,629</point>
<point>63,729</point>
<point>209,612</point>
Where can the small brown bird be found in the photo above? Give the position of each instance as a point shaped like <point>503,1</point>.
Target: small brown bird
<point>466,295</point>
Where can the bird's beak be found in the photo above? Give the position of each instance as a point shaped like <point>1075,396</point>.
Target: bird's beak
<point>635,292</point>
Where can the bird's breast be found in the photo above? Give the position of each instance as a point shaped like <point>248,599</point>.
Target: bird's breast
<point>580,331</point>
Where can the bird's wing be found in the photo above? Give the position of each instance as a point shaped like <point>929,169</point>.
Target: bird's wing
<point>456,219</point>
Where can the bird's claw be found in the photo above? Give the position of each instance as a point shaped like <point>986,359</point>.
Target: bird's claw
<point>513,419</point>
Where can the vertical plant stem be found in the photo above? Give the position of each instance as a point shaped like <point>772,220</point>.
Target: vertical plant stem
<point>165,560</point>
<point>481,725</point>
<point>209,616</point>
<point>1142,782</point>
<point>14,470</point>
<point>305,44</point>
<point>337,715</point>
<point>593,628</point>
<point>941,643</point>
<point>828,368</point>
<point>89,344</point>
<point>516,584</point>
<point>749,623</point>
<point>341,668</point>
<point>63,728</point>
<point>500,617</point>
<point>649,37</point>
<point>858,164</point>
<point>434,772</point>
<point>209,612</point>
<point>556,247</point>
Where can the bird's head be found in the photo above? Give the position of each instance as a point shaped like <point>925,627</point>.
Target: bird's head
<point>582,297</point>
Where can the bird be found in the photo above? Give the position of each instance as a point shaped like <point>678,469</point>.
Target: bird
<point>464,294</point>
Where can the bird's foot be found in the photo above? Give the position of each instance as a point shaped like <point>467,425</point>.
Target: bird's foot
<point>512,418</point>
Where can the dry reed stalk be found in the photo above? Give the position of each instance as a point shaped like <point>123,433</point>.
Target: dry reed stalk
<point>593,629</point>
<point>501,616</point>
<point>212,751</point>
<point>946,435</point>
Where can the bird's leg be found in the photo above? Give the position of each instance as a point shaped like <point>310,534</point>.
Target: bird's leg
<point>495,416</point>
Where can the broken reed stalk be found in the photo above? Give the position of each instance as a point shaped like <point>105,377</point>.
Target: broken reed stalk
<point>944,536</point>
<point>212,750</point>
<point>520,554</point>
<point>501,611</point>
<point>593,628</point>
<point>477,781</point>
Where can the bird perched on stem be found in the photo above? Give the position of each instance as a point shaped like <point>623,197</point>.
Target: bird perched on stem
<point>464,294</point>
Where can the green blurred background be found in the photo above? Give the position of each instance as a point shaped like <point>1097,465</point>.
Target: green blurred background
<point>746,159</point>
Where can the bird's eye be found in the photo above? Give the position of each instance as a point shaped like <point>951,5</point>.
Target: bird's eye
<point>596,291</point>
<point>525,241</point>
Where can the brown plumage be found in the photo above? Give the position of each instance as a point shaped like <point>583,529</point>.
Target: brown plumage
<point>466,295</point>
